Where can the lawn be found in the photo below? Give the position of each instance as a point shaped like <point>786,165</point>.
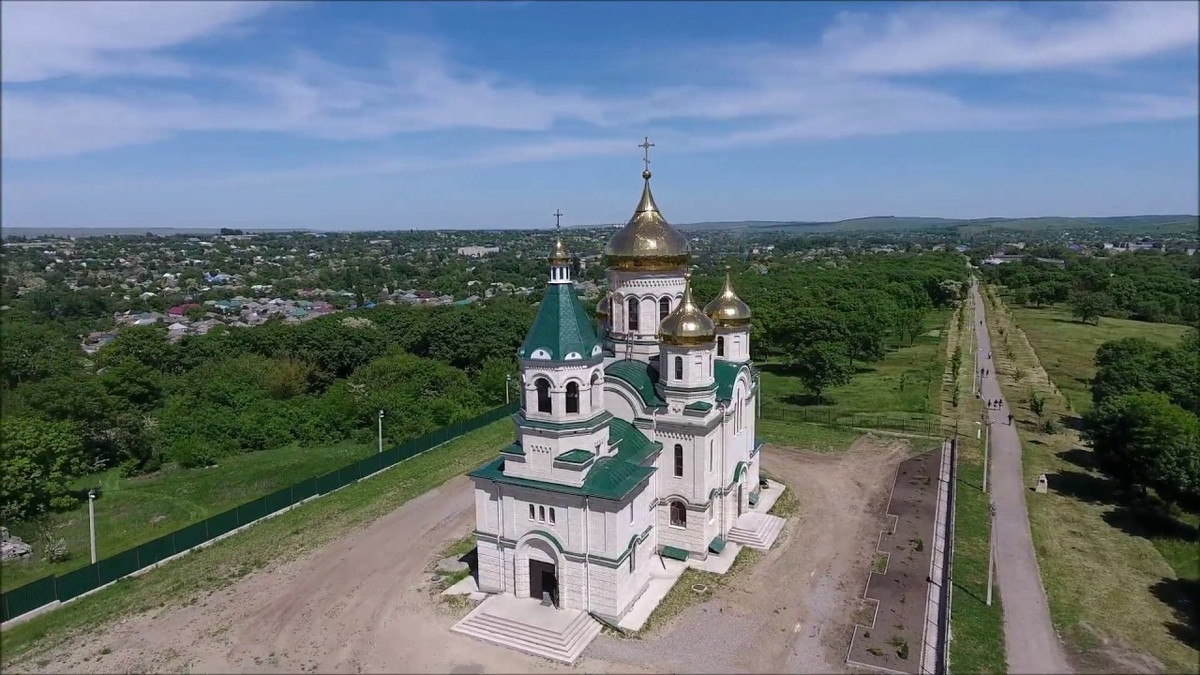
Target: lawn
<point>133,511</point>
<point>903,387</point>
<point>284,537</point>
<point>1117,581</point>
<point>1066,347</point>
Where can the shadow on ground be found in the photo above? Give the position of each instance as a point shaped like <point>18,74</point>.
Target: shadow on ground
<point>1182,596</point>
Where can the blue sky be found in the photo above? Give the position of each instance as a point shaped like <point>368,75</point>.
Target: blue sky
<point>487,114</point>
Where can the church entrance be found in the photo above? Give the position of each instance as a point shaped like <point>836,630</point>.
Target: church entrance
<point>542,581</point>
<point>739,499</point>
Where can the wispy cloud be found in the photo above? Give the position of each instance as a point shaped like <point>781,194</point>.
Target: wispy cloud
<point>853,82</point>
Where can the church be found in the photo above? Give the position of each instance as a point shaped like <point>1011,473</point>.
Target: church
<point>635,438</point>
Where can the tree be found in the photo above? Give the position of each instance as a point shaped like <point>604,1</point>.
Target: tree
<point>1125,366</point>
<point>1144,440</point>
<point>822,365</point>
<point>1021,296</point>
<point>1089,306</point>
<point>38,461</point>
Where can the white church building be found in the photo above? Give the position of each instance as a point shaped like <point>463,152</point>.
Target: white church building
<point>635,439</point>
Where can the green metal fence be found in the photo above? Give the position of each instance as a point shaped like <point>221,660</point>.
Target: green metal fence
<point>47,590</point>
<point>911,425</point>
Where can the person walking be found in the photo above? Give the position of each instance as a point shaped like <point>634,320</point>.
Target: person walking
<point>1010,419</point>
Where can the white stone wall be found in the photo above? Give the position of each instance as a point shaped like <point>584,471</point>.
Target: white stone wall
<point>541,447</point>
<point>736,341</point>
<point>586,375</point>
<point>647,288</point>
<point>696,362</point>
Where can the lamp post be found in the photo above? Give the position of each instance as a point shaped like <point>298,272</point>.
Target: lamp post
<point>381,430</point>
<point>991,548</point>
<point>507,379</point>
<point>987,428</point>
<point>92,521</point>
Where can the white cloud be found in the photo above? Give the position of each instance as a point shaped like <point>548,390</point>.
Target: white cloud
<point>43,40</point>
<point>839,88</point>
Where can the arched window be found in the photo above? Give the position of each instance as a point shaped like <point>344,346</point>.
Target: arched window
<point>664,308</point>
<point>541,514</point>
<point>531,511</point>
<point>678,514</point>
<point>720,346</point>
<point>597,391</point>
<point>543,394</point>
<point>678,367</point>
<point>678,461</point>
<point>572,397</point>
<point>632,311</point>
<point>551,515</point>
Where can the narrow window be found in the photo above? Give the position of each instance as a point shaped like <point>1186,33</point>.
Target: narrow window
<point>543,395</point>
<point>632,318</point>
<point>678,368</point>
<point>721,346</point>
<point>631,513</point>
<point>572,397</point>
<point>541,514</point>
<point>710,456</point>
<point>678,461</point>
<point>632,557</point>
<point>597,391</point>
<point>664,308</point>
<point>712,514</point>
<point>531,511</point>
<point>552,515</point>
<point>678,514</point>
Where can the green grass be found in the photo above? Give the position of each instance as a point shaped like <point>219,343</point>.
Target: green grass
<point>811,437</point>
<point>133,511</point>
<point>1066,348</point>
<point>904,384</point>
<point>1109,578</point>
<point>185,581</point>
<point>681,596</point>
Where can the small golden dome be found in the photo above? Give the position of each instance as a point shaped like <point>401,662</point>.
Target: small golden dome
<point>559,255</point>
<point>647,242</point>
<point>727,309</point>
<point>687,325</point>
<point>604,307</point>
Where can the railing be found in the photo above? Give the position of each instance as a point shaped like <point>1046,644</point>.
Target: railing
<point>51,589</point>
<point>833,418</point>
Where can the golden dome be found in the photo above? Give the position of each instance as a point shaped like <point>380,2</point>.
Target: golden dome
<point>647,242</point>
<point>687,325</point>
<point>559,255</point>
<point>604,307</point>
<point>727,309</point>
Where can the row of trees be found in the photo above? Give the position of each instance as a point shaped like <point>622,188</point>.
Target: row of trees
<point>1145,423</point>
<point>1143,286</point>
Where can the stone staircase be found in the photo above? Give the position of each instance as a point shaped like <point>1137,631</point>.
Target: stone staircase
<point>561,639</point>
<point>756,530</point>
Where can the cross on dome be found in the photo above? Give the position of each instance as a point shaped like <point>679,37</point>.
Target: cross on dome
<point>558,214</point>
<point>645,145</point>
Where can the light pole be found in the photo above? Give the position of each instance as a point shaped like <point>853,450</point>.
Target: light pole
<point>987,428</point>
<point>92,521</point>
<point>380,430</point>
<point>507,379</point>
<point>991,548</point>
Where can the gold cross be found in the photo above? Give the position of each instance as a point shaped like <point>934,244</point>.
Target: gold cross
<point>558,214</point>
<point>645,146</point>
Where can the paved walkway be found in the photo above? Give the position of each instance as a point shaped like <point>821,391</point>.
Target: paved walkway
<point>1030,642</point>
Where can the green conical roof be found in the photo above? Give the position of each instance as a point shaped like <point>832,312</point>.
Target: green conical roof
<point>561,328</point>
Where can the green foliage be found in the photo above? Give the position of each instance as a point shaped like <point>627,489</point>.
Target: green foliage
<point>38,461</point>
<point>1089,306</point>
<point>822,365</point>
<point>1037,403</point>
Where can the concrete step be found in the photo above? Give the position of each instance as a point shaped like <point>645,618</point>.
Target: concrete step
<point>763,537</point>
<point>564,647</point>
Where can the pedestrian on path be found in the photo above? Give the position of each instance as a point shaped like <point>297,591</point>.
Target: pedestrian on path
<point>1010,419</point>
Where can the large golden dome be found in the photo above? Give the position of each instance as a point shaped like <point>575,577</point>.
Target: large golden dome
<point>687,325</point>
<point>727,309</point>
<point>647,242</point>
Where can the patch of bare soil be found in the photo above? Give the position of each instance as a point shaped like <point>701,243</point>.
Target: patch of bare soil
<point>793,612</point>
<point>893,636</point>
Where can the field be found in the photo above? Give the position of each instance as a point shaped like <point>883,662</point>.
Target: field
<point>1119,583</point>
<point>899,391</point>
<point>282,538</point>
<point>134,511</point>
<point>1066,347</point>
<point>977,645</point>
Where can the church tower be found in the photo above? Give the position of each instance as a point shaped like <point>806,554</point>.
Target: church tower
<point>685,347</point>
<point>732,319</point>
<point>562,426</point>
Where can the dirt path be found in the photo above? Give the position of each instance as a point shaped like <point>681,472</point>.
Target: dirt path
<point>362,604</point>
<point>1030,641</point>
<point>795,612</point>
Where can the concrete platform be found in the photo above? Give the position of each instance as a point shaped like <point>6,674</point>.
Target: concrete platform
<point>756,530</point>
<point>468,587</point>
<point>767,497</point>
<point>664,573</point>
<point>526,625</point>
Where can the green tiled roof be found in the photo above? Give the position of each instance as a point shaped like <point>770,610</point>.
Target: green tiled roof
<point>725,373</point>
<point>576,456</point>
<point>699,406</point>
<point>514,449</point>
<point>675,553</point>
<point>610,478</point>
<point>639,375</point>
<point>561,326</point>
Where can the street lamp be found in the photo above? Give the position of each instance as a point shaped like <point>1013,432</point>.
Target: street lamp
<point>991,547</point>
<point>507,379</point>
<point>92,521</point>
<point>987,428</point>
<point>381,430</point>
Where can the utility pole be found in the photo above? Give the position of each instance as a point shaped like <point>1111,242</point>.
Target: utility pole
<point>381,430</point>
<point>987,442</point>
<point>92,521</point>
<point>991,548</point>
<point>507,379</point>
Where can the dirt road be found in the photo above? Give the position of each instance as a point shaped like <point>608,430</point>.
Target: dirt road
<point>1030,641</point>
<point>362,604</point>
